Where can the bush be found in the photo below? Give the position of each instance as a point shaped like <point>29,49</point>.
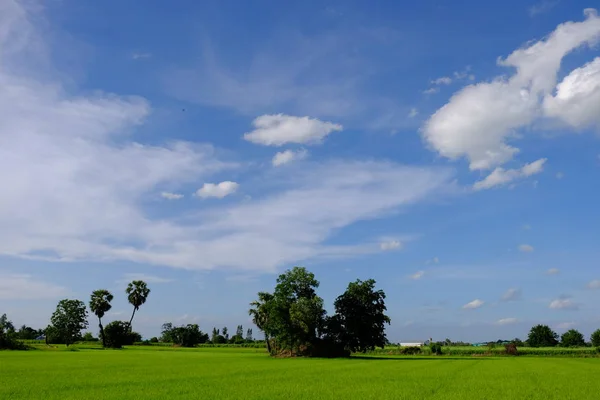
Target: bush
<point>154,340</point>
<point>436,349</point>
<point>118,335</point>
<point>411,350</point>
<point>596,338</point>
<point>511,349</point>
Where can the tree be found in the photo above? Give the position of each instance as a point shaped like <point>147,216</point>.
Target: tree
<point>137,294</point>
<point>249,335</point>
<point>100,305</point>
<point>116,334</point>
<point>27,333</point>
<point>542,336</point>
<point>225,334</point>
<point>69,319</point>
<point>596,338</point>
<point>359,322</point>
<point>518,342</point>
<point>259,311</point>
<point>8,335</point>
<point>572,338</point>
<point>186,336</point>
<point>215,334</point>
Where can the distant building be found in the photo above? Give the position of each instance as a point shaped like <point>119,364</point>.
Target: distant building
<point>412,344</point>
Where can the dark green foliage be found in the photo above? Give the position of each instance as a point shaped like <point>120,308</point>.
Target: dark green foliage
<point>137,294</point>
<point>88,337</point>
<point>249,335</point>
<point>100,305</point>
<point>359,322</point>
<point>225,334</point>
<point>154,340</point>
<point>186,336</point>
<point>69,319</point>
<point>436,348</point>
<point>27,333</point>
<point>542,336</point>
<point>518,342</point>
<point>572,338</point>
<point>118,334</point>
<point>260,311</point>
<point>8,335</point>
<point>595,338</point>
<point>411,350</point>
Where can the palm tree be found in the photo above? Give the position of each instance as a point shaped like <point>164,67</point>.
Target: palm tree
<point>260,314</point>
<point>137,294</point>
<point>100,304</point>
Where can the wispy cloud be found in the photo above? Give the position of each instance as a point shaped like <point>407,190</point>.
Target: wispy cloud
<point>28,287</point>
<point>526,248</point>
<point>473,304</point>
<point>417,275</point>
<point>506,321</point>
<point>143,277</point>
<point>140,56</point>
<point>552,271</point>
<point>511,294</point>
<point>542,7</point>
<point>563,303</point>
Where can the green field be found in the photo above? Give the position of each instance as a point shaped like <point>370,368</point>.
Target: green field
<point>235,373</point>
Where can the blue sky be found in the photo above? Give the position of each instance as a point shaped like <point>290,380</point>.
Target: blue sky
<point>449,151</point>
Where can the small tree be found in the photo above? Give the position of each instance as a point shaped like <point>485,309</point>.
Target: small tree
<point>596,338</point>
<point>542,336</point>
<point>137,294</point>
<point>186,336</point>
<point>8,339</point>
<point>100,305</point>
<point>116,334</point>
<point>225,334</point>
<point>249,335</point>
<point>69,319</point>
<point>572,338</point>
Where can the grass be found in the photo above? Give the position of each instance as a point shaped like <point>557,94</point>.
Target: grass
<point>246,373</point>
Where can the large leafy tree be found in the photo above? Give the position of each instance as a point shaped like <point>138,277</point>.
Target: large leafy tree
<point>359,322</point>
<point>69,319</point>
<point>137,294</point>
<point>542,336</point>
<point>259,311</point>
<point>100,305</point>
<point>572,338</point>
<point>596,338</point>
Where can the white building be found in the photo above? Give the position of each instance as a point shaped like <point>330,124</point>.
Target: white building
<point>412,344</point>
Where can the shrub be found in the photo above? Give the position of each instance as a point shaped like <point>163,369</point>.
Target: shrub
<point>154,340</point>
<point>118,335</point>
<point>411,350</point>
<point>436,349</point>
<point>596,338</point>
<point>511,349</point>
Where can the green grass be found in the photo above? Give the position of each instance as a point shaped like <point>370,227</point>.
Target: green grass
<point>238,373</point>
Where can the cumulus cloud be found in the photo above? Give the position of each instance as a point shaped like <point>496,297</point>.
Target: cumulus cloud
<point>279,129</point>
<point>390,245</point>
<point>171,196</point>
<point>481,119</point>
<point>417,275</point>
<point>28,287</point>
<point>473,304</point>
<point>507,321</point>
<point>511,294</point>
<point>287,156</point>
<point>553,271</point>
<point>217,190</point>
<point>501,176</point>
<point>563,303</point>
<point>595,284</point>
<point>526,248</point>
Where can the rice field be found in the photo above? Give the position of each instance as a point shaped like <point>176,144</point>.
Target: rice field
<point>246,373</point>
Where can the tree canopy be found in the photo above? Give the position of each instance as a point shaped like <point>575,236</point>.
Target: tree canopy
<point>100,305</point>
<point>596,338</point>
<point>542,336</point>
<point>572,338</point>
<point>69,319</point>
<point>137,294</point>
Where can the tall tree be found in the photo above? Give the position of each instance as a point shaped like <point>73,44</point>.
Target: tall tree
<point>249,335</point>
<point>572,338</point>
<point>100,305</point>
<point>259,311</point>
<point>225,333</point>
<point>595,338</point>
<point>542,336</point>
<point>69,319</point>
<point>359,322</point>
<point>137,294</point>
<point>215,335</point>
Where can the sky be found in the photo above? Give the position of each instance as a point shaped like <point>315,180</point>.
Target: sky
<point>447,150</point>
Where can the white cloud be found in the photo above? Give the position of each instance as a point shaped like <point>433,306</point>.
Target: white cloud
<point>217,190</point>
<point>287,156</point>
<point>526,248</point>
<point>577,99</point>
<point>511,294</point>
<point>279,129</point>
<point>171,196</point>
<point>390,245</point>
<point>417,275</point>
<point>143,277</point>
<point>27,287</point>
<point>560,175</point>
<point>563,303</point>
<point>473,304</point>
<point>138,56</point>
<point>431,90</point>
<point>565,325</point>
<point>444,80</point>
<point>413,113</point>
<point>507,321</point>
<point>553,271</point>
<point>479,121</point>
<point>542,7</point>
<point>501,176</point>
<point>595,284</point>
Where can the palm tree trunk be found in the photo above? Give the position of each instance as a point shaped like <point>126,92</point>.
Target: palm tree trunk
<point>268,344</point>
<point>134,309</point>
<point>102,332</point>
